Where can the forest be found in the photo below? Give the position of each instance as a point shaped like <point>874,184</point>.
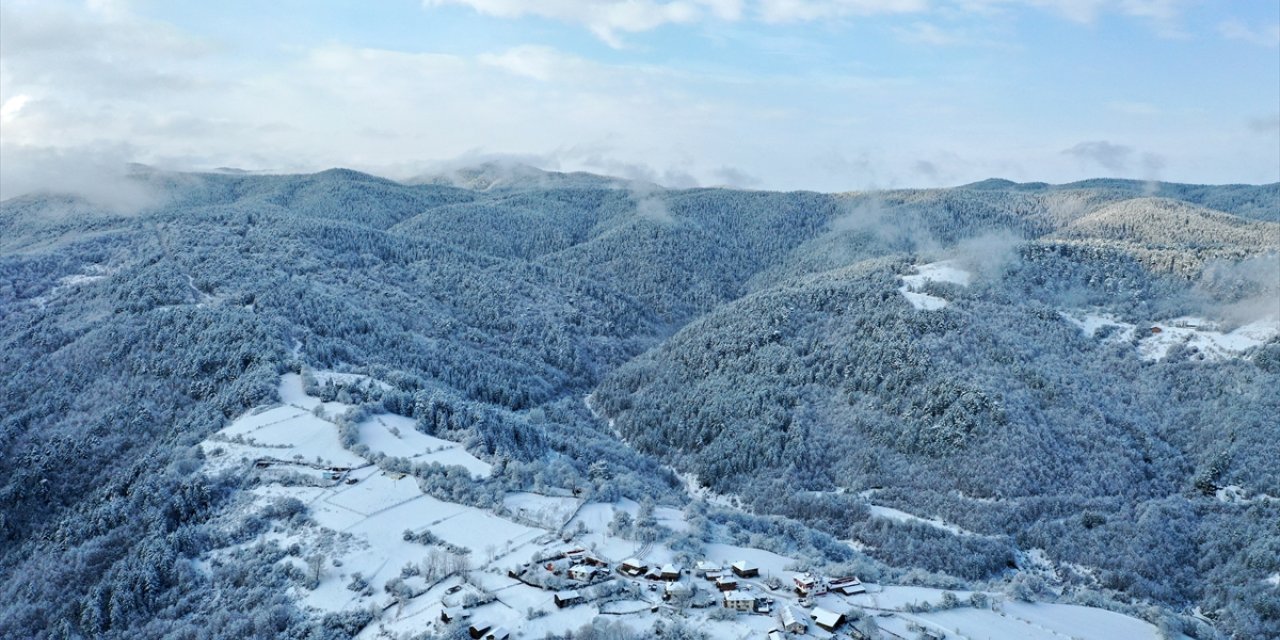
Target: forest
<point>762,342</point>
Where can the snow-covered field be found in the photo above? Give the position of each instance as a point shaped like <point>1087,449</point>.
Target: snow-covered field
<point>358,516</point>
<point>943,271</point>
<point>903,516</point>
<point>1204,337</point>
<point>398,436</point>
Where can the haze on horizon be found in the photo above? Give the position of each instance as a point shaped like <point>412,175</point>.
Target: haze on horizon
<point>827,95</point>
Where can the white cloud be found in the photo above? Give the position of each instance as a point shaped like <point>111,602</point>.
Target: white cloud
<point>775,11</point>
<point>97,173</point>
<point>537,62</point>
<point>1110,156</point>
<point>1262,35</point>
<point>607,18</point>
<point>9,110</point>
<point>1164,14</point>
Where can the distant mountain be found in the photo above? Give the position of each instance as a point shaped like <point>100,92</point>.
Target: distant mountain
<point>1080,378</point>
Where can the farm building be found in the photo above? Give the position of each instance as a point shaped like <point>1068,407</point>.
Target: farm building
<point>478,629</point>
<point>744,569</point>
<point>704,567</point>
<point>568,598</point>
<point>633,567</point>
<point>726,583</point>
<point>827,620</point>
<point>739,601</point>
<point>847,586</point>
<point>793,620</point>
<point>500,633</point>
<point>594,561</point>
<point>582,572</point>
<point>449,614</point>
<point>676,590</point>
<point>774,634</point>
<point>669,572</point>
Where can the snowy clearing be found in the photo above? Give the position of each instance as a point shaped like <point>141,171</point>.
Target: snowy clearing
<point>943,271</point>
<point>398,436</point>
<point>902,516</point>
<point>1157,340</point>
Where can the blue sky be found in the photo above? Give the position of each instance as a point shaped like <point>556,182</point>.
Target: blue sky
<point>780,94</point>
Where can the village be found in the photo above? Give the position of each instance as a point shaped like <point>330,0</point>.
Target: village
<point>537,563</point>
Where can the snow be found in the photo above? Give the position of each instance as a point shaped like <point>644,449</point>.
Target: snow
<point>551,512</point>
<point>922,300</point>
<point>943,271</point>
<point>768,562</point>
<point>1083,622</point>
<point>348,379</point>
<point>1158,339</point>
<point>1273,580</point>
<point>356,523</point>
<point>287,433</point>
<point>1203,336</point>
<point>903,516</point>
<point>1091,323</point>
<point>394,435</point>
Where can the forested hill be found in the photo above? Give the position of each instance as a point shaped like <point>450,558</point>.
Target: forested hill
<point>985,354</point>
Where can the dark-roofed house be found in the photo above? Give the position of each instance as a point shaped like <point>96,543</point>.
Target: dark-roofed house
<point>568,598</point>
<point>744,569</point>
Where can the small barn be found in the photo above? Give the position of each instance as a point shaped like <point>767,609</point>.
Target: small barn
<point>669,572</point>
<point>726,583</point>
<point>848,586</point>
<point>827,620</point>
<point>793,620</point>
<point>478,629</point>
<point>568,598</point>
<point>744,569</point>
<point>500,633</point>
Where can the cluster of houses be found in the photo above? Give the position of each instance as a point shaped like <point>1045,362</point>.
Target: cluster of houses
<point>581,567</point>
<point>574,564</point>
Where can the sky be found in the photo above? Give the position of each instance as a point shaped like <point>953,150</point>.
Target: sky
<point>828,95</point>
